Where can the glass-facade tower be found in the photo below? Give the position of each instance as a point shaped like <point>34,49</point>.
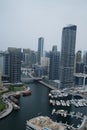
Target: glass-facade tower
<point>40,49</point>
<point>15,65</point>
<point>54,64</point>
<point>67,56</point>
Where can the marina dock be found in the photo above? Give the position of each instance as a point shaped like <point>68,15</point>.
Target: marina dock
<point>75,102</point>
<point>78,115</point>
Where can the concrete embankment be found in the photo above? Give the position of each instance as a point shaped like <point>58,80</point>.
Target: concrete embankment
<point>47,85</point>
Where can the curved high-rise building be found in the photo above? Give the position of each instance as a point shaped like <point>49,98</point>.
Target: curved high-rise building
<point>67,56</point>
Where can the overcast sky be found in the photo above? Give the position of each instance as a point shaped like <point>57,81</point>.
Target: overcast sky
<point>22,22</point>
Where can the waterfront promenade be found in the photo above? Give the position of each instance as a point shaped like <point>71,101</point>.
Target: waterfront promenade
<point>9,104</point>
<point>7,111</point>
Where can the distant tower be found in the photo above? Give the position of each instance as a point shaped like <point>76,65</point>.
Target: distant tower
<point>54,49</point>
<point>67,56</point>
<point>78,61</point>
<point>79,56</point>
<point>40,49</point>
<point>85,62</point>
<point>33,58</point>
<point>54,64</point>
<point>85,58</point>
<point>27,57</point>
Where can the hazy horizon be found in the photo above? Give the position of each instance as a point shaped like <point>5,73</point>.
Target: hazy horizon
<point>24,21</point>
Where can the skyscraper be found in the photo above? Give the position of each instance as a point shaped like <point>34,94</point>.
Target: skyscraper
<point>40,49</point>
<point>33,58</point>
<point>78,65</point>
<point>1,80</point>
<point>85,58</point>
<point>85,62</point>
<point>6,63</point>
<point>79,56</point>
<point>15,65</point>
<point>67,56</point>
<point>27,57</point>
<point>2,63</point>
<point>54,64</point>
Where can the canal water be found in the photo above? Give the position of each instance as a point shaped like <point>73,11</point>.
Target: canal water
<point>32,106</point>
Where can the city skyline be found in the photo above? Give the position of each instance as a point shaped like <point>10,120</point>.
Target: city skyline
<point>23,22</point>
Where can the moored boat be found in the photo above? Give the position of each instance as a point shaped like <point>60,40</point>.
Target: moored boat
<point>17,95</point>
<point>26,93</point>
<point>12,98</point>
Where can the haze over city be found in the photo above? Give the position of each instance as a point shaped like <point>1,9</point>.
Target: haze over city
<point>22,22</point>
<point>43,70</point>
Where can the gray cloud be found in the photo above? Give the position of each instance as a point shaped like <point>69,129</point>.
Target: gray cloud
<point>23,21</point>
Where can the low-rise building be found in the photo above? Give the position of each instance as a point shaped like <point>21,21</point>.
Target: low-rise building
<point>43,123</point>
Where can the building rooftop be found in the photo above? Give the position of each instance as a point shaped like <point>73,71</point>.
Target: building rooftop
<point>71,27</point>
<point>44,123</point>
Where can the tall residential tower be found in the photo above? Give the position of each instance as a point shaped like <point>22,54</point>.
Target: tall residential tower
<point>54,64</point>
<point>67,56</point>
<point>15,65</point>
<point>40,49</point>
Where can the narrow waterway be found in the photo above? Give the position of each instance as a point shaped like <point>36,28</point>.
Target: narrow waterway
<point>31,106</point>
<point>34,105</point>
